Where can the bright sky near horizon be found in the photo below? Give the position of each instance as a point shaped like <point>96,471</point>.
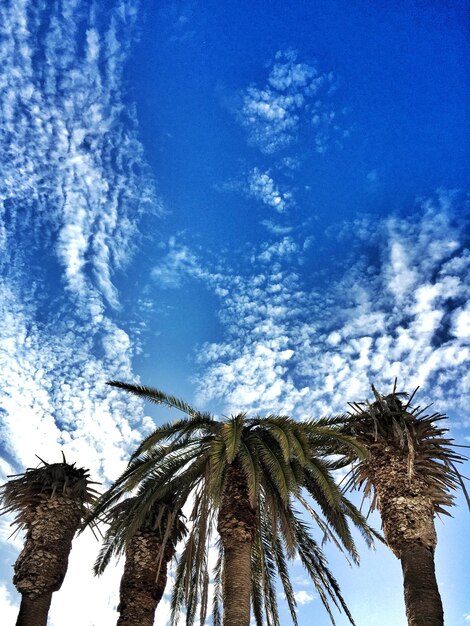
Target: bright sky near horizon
<point>256,206</point>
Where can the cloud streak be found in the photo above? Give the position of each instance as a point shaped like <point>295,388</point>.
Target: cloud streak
<point>75,181</point>
<point>68,144</point>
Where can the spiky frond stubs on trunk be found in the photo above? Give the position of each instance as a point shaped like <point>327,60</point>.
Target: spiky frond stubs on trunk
<point>148,539</point>
<point>410,461</point>
<point>144,578</point>
<point>42,564</point>
<point>49,503</point>
<point>410,473</point>
<point>26,491</point>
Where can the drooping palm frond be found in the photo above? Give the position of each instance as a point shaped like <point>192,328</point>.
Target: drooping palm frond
<point>192,573</point>
<point>157,473</point>
<point>162,519</point>
<point>316,566</point>
<point>158,397</point>
<point>217,590</point>
<point>192,458</point>
<point>272,542</point>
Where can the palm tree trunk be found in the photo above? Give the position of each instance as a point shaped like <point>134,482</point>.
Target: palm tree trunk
<point>42,564</point>
<point>408,523</point>
<point>236,526</point>
<point>422,599</point>
<point>144,578</point>
<point>34,611</point>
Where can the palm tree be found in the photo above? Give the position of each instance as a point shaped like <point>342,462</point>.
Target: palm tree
<point>148,548</point>
<point>50,502</point>
<point>244,475</point>
<point>410,472</point>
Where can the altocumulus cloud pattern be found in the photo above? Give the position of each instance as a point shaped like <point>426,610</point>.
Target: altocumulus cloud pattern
<point>74,181</point>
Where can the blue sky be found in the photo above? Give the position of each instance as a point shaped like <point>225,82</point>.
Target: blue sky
<point>259,207</point>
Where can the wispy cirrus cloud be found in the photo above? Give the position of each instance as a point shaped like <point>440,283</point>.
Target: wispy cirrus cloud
<point>75,181</point>
<point>69,147</point>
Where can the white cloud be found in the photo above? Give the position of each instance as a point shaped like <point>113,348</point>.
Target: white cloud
<point>402,277</point>
<point>279,249</point>
<point>461,322</point>
<point>303,597</point>
<point>406,316</point>
<point>102,592</point>
<point>276,229</point>
<point>262,187</point>
<point>54,390</point>
<point>274,114</point>
<point>75,182</point>
<point>179,263</point>
<point>68,151</point>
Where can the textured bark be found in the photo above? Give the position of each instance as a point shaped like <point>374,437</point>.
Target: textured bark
<point>34,611</point>
<point>42,564</point>
<point>422,599</point>
<point>407,513</point>
<point>144,579</point>
<point>406,507</point>
<point>236,526</point>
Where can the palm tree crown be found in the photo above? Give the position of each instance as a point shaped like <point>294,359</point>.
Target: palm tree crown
<point>410,472</point>
<point>244,476</point>
<point>50,502</point>
<point>391,422</point>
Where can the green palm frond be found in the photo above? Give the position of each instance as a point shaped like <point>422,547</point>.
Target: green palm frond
<point>321,481</point>
<point>269,574</point>
<point>280,428</point>
<point>217,591</point>
<point>147,470</point>
<point>217,466</point>
<point>272,461</point>
<point>315,564</point>
<point>177,431</point>
<point>250,463</point>
<point>231,433</point>
<point>192,575</point>
<point>158,397</point>
<point>277,550</point>
<point>162,519</point>
<point>257,585</point>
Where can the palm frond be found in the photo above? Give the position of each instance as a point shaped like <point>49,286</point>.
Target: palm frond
<point>158,397</point>
<point>231,432</point>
